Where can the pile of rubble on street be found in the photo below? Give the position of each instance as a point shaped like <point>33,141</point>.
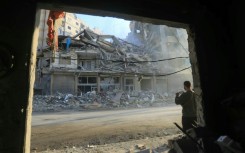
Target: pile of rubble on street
<point>108,100</point>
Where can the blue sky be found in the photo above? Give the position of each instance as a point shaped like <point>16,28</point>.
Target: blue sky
<point>108,25</point>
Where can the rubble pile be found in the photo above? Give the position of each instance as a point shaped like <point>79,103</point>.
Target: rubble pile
<point>111,53</point>
<point>107,100</point>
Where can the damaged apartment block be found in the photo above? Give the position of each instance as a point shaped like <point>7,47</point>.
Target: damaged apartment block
<point>89,62</point>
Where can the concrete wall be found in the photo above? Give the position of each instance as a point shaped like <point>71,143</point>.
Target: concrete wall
<point>73,60</point>
<point>146,84</point>
<point>63,83</point>
<point>43,30</point>
<point>71,21</point>
<point>161,85</point>
<point>42,82</point>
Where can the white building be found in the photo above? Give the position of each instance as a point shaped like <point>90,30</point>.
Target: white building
<point>71,25</point>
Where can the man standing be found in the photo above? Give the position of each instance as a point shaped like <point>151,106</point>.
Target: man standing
<point>187,101</point>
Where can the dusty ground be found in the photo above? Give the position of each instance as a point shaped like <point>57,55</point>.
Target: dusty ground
<point>118,130</point>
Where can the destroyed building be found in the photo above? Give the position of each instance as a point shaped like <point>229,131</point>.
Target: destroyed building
<point>163,42</point>
<point>91,62</point>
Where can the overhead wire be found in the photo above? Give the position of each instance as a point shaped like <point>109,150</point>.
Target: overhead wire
<point>153,74</point>
<point>167,74</point>
<point>143,74</point>
<point>120,61</point>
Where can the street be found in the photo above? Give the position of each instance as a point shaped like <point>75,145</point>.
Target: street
<point>57,130</point>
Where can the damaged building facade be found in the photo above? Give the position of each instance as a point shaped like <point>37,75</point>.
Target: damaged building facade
<point>89,62</point>
<point>163,42</point>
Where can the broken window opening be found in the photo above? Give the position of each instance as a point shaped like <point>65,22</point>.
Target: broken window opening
<point>107,72</point>
<point>109,83</point>
<point>86,65</point>
<point>86,84</point>
<point>129,85</point>
<point>92,80</point>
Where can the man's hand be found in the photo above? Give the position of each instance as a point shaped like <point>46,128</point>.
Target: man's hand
<point>177,94</point>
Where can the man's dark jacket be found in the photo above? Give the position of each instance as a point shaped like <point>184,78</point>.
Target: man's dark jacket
<point>187,101</point>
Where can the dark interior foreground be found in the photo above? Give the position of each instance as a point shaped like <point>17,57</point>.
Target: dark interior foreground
<point>217,31</point>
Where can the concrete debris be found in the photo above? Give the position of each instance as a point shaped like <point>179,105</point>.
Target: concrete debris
<point>141,146</point>
<point>92,100</point>
<point>91,146</point>
<point>94,105</point>
<point>165,133</point>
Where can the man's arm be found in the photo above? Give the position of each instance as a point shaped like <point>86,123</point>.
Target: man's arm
<point>179,100</point>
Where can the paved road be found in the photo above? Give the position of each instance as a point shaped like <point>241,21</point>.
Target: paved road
<point>56,129</point>
<point>99,116</point>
